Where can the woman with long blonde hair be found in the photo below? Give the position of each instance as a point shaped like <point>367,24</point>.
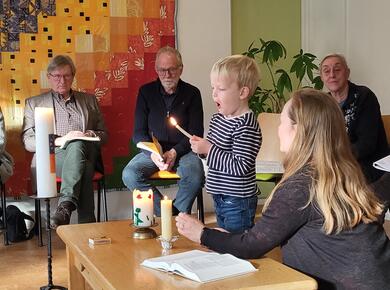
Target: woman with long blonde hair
<point>322,213</point>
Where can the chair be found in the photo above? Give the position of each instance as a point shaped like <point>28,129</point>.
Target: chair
<point>164,175</point>
<point>269,158</point>
<point>386,123</point>
<point>99,180</point>
<point>4,213</point>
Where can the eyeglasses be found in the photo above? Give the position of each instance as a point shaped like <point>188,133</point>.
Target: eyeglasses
<point>165,71</point>
<point>58,78</point>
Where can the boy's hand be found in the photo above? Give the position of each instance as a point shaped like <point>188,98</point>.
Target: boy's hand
<point>200,145</point>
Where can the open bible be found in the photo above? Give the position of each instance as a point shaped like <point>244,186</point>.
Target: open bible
<point>201,266</point>
<point>153,147</point>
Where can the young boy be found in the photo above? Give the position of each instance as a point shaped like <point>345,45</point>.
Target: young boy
<point>232,143</point>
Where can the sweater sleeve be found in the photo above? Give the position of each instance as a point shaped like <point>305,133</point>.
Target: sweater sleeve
<point>367,126</point>
<point>284,216</point>
<point>141,130</point>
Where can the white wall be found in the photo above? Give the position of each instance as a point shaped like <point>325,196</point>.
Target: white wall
<point>358,29</point>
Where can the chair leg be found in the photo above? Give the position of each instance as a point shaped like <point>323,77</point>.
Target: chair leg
<point>99,193</point>
<point>199,205</point>
<point>4,207</point>
<point>38,221</point>
<point>104,196</point>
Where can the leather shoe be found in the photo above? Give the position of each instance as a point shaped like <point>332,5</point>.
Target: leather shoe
<point>62,214</point>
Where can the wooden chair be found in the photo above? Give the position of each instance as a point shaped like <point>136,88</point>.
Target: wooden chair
<point>164,175</point>
<point>99,180</point>
<point>269,151</point>
<point>386,123</point>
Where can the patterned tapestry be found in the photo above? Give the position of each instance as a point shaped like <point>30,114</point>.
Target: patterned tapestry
<point>113,44</point>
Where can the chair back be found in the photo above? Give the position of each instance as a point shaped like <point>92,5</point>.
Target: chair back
<point>386,123</point>
<point>269,150</point>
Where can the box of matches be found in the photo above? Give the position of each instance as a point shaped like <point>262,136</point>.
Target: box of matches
<point>99,240</point>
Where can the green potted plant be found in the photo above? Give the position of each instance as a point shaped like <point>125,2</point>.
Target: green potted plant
<point>303,69</point>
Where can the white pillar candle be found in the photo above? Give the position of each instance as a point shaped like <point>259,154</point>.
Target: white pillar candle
<point>45,152</point>
<point>143,208</point>
<point>166,218</point>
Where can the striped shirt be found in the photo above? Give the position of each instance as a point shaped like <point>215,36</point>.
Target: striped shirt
<point>232,157</point>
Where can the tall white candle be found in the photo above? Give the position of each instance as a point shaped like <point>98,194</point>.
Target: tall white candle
<point>166,218</point>
<point>45,152</point>
<point>174,123</point>
<point>143,208</point>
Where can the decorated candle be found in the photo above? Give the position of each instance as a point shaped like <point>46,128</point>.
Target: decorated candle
<point>143,208</point>
<point>174,123</point>
<point>45,152</point>
<point>166,218</point>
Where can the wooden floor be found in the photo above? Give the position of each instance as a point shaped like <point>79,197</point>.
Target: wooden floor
<point>24,265</point>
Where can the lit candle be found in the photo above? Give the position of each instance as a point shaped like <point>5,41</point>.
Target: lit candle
<point>166,218</point>
<point>143,208</point>
<point>45,155</point>
<point>174,123</point>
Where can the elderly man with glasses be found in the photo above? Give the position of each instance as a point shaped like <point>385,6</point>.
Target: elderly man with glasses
<point>77,114</point>
<point>168,96</point>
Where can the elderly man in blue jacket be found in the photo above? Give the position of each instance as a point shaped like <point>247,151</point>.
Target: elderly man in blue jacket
<point>168,96</point>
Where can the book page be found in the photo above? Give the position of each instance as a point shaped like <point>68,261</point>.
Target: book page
<point>383,164</point>
<point>213,267</point>
<point>153,147</point>
<point>82,138</point>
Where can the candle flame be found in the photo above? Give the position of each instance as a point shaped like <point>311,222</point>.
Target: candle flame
<point>165,197</point>
<point>173,121</point>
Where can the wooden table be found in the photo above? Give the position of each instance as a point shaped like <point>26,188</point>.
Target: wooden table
<point>117,265</point>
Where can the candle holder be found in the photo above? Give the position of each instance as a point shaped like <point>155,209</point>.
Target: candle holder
<point>144,233</point>
<point>167,244</point>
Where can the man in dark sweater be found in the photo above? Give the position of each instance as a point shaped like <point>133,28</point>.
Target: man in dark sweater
<point>166,97</point>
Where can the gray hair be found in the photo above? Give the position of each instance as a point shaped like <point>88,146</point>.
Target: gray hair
<point>61,61</point>
<point>337,55</point>
<point>170,50</point>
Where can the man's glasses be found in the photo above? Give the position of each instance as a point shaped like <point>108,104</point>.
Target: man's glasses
<point>165,71</point>
<point>58,78</point>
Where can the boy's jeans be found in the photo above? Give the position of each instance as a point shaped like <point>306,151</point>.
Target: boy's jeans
<point>235,214</point>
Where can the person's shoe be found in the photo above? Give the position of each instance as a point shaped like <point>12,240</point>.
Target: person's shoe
<point>62,214</point>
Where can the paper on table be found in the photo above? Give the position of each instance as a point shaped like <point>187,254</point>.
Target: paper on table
<point>263,166</point>
<point>383,164</point>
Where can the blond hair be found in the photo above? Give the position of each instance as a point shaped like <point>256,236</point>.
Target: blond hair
<point>243,68</point>
<point>338,185</point>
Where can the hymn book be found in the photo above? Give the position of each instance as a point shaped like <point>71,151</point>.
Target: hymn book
<point>153,147</point>
<point>201,266</point>
<point>81,138</point>
<point>383,164</point>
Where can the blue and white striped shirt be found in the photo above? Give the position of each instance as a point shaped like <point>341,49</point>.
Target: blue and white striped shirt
<point>232,157</point>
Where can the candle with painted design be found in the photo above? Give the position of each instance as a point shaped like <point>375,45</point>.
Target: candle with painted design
<point>143,208</point>
<point>45,155</point>
<point>166,218</point>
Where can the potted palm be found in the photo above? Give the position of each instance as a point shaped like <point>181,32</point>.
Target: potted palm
<point>303,69</point>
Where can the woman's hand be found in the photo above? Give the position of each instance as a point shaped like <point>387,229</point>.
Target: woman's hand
<point>189,227</point>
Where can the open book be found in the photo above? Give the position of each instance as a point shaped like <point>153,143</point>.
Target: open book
<point>153,147</point>
<point>201,266</point>
<point>383,164</point>
<point>82,138</point>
